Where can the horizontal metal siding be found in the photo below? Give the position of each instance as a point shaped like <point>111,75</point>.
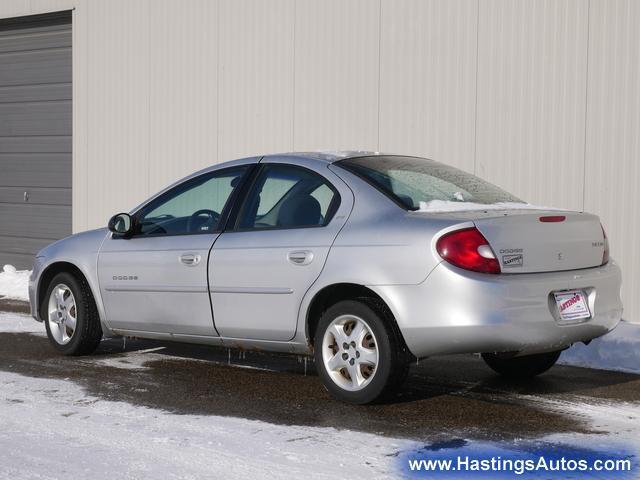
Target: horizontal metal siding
<point>33,144</point>
<point>35,136</point>
<point>37,196</point>
<point>35,118</point>
<point>42,38</point>
<point>49,222</point>
<point>36,170</point>
<point>35,67</point>
<point>35,93</point>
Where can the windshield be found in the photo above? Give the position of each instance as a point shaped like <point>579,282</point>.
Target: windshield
<point>415,182</point>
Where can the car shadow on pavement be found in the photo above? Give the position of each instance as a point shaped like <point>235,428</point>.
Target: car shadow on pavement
<point>442,397</point>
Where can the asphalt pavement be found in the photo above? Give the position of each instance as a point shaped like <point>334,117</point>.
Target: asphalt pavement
<point>444,396</point>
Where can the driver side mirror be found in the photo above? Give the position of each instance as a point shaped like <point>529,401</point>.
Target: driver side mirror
<point>121,224</point>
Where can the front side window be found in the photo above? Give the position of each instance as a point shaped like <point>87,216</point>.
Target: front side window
<point>413,182</point>
<point>195,207</point>
<point>285,196</point>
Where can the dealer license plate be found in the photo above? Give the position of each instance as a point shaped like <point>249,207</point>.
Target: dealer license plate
<point>572,305</point>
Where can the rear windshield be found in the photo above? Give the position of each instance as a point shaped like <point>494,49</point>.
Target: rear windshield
<point>413,182</point>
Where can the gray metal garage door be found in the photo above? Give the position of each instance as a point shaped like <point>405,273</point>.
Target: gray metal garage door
<point>35,135</point>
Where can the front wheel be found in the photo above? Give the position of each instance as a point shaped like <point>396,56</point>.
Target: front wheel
<point>70,315</point>
<point>359,355</point>
<point>526,366</point>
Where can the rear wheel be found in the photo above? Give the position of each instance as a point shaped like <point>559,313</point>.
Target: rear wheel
<point>521,367</point>
<point>70,315</point>
<point>359,355</point>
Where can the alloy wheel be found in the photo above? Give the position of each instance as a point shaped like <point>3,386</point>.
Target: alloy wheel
<point>62,314</point>
<point>350,352</point>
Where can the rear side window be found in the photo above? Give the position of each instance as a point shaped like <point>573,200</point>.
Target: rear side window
<point>273,190</point>
<point>411,181</point>
<point>286,196</point>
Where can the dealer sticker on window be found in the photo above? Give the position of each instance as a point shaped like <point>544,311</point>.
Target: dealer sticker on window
<point>572,305</point>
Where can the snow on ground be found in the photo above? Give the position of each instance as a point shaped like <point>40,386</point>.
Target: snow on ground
<point>51,428</point>
<point>18,323</point>
<point>14,283</point>
<point>618,350</point>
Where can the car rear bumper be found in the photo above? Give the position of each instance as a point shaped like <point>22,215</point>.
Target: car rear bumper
<point>456,311</point>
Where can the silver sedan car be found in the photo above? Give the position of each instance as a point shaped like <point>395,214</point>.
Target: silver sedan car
<point>366,261</point>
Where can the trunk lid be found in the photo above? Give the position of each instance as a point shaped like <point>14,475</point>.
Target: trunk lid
<point>523,243</point>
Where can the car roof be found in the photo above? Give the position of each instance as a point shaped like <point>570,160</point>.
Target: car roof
<point>325,156</point>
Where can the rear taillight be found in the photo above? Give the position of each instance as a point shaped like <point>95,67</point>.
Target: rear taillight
<point>605,253</point>
<point>468,249</point>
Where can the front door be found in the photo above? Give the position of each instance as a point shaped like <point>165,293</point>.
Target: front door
<point>262,267</point>
<point>156,280</point>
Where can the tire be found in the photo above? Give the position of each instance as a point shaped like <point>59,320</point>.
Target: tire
<point>521,367</point>
<point>379,335</point>
<point>69,298</point>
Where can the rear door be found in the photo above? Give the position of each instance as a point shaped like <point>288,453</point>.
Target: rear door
<point>261,269</point>
<point>156,281</point>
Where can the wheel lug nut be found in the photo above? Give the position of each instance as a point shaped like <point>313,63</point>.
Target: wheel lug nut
<point>345,356</point>
<point>345,345</point>
<point>357,354</point>
<point>352,361</point>
<point>353,344</point>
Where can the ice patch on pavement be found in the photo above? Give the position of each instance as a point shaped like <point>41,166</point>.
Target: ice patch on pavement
<point>133,360</point>
<point>437,206</point>
<point>14,283</point>
<point>138,359</point>
<point>614,421</point>
<point>618,350</point>
<point>80,436</point>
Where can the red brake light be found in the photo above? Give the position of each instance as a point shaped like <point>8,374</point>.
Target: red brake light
<point>553,218</point>
<point>605,253</point>
<point>468,249</point>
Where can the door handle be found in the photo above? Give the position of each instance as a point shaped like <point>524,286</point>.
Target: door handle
<point>300,257</point>
<point>190,259</point>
